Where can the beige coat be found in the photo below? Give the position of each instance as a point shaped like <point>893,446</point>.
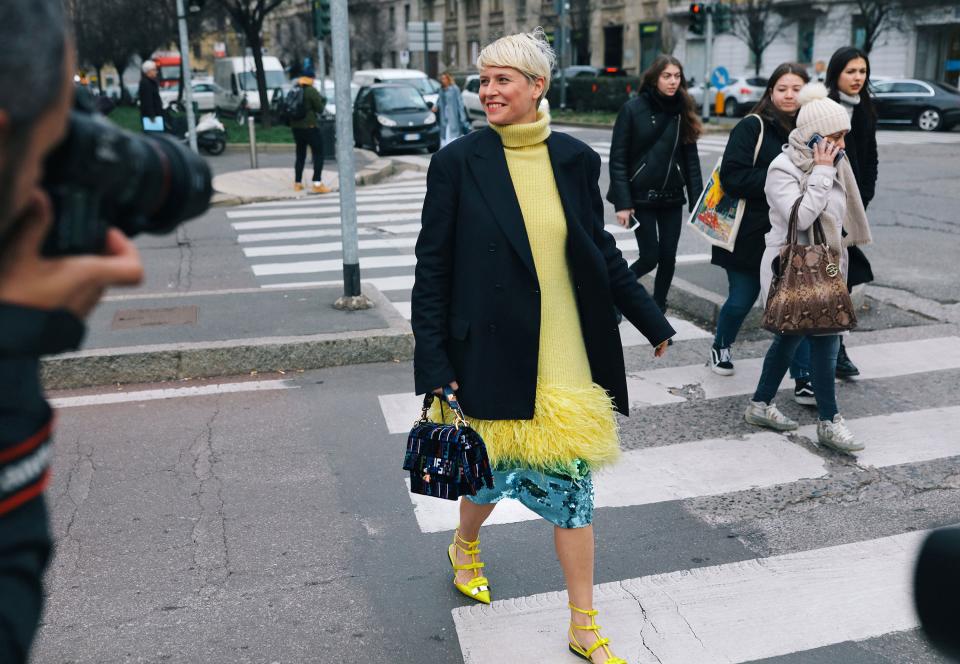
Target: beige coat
<point>823,192</point>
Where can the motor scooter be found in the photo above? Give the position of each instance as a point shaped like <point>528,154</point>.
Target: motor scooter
<point>211,134</point>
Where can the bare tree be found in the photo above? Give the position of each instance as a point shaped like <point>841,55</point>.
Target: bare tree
<point>668,35</point>
<point>757,24</point>
<point>878,16</point>
<point>248,17</point>
<point>368,40</point>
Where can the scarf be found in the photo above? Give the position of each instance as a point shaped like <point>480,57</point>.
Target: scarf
<point>855,223</point>
<point>849,102</point>
<point>671,105</point>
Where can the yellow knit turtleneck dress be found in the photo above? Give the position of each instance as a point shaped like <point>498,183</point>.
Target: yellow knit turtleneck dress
<point>573,427</point>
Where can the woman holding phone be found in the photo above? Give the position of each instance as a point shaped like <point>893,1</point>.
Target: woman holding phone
<point>653,157</point>
<point>513,308</point>
<point>821,180</point>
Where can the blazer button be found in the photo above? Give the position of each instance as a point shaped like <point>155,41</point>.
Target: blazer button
<point>498,286</point>
<point>492,247</point>
<point>493,329</point>
<point>536,291</point>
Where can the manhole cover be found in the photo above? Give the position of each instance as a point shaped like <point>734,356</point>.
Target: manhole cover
<point>127,319</point>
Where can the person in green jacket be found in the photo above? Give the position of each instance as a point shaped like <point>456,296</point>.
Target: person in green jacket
<point>307,133</point>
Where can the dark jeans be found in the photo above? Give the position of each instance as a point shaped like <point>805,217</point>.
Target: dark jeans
<point>742,291</point>
<point>823,355</point>
<point>658,234</point>
<point>308,137</point>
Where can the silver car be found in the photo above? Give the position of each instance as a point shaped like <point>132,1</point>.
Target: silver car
<point>742,93</point>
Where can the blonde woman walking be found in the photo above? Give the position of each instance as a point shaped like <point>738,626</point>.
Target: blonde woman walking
<point>513,307</point>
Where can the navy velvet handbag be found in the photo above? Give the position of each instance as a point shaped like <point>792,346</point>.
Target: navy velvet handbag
<point>446,460</point>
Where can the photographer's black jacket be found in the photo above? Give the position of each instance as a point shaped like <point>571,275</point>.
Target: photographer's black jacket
<point>647,154</point>
<point>25,428</point>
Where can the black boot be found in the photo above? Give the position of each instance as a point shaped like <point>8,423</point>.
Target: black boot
<point>845,368</point>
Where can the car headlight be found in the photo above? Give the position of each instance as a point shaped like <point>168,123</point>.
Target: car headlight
<point>385,121</point>
<point>430,119</point>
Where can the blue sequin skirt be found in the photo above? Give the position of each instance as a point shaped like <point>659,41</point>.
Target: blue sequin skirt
<point>562,500</point>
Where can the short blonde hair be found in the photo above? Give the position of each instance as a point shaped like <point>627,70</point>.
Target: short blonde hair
<point>527,52</point>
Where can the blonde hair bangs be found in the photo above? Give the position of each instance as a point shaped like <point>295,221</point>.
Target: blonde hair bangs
<point>527,52</point>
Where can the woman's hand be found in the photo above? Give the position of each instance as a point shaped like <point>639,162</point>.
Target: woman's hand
<point>453,386</point>
<point>661,348</point>
<point>623,217</point>
<point>824,153</point>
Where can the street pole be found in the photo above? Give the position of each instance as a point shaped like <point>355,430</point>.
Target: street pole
<point>340,35</point>
<point>708,38</point>
<point>321,62</point>
<point>562,16</point>
<point>187,85</point>
<point>426,53</point>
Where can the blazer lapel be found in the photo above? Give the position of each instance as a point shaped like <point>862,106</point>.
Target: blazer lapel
<point>490,170</point>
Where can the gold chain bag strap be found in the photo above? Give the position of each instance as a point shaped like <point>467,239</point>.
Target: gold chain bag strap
<point>809,295</point>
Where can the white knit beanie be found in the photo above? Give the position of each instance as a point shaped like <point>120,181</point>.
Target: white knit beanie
<point>818,113</point>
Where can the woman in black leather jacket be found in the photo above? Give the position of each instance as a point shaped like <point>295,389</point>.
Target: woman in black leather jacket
<point>653,157</point>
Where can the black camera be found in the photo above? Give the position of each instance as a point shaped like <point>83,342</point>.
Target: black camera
<point>102,176</point>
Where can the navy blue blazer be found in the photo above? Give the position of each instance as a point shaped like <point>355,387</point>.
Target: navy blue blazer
<point>476,297</point>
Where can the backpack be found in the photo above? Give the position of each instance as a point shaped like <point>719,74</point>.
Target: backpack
<point>293,107</point>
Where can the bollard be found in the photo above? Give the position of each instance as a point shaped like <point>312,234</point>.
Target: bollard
<point>252,133</point>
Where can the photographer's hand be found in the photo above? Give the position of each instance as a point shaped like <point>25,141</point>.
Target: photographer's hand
<point>76,283</point>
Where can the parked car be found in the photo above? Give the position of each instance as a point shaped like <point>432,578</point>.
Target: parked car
<point>471,99</point>
<point>742,94</point>
<point>328,90</point>
<point>426,86</point>
<point>928,105</point>
<point>696,91</point>
<point>392,116</point>
<point>204,95</point>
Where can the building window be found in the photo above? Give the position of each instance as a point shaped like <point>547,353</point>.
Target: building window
<point>451,8</point>
<point>496,5</point>
<point>473,7</point>
<point>406,15</point>
<point>805,30</point>
<point>649,44</point>
<point>858,31</point>
<point>474,51</point>
<point>393,59</point>
<point>521,9</point>
<point>613,46</point>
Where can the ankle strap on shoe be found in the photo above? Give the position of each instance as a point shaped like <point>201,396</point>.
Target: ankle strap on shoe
<point>586,612</point>
<point>457,538</point>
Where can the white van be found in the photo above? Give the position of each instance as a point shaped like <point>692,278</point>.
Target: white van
<point>236,81</point>
<point>426,86</point>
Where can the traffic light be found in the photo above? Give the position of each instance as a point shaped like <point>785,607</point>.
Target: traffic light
<point>321,18</point>
<point>698,17</point>
<point>721,18</point>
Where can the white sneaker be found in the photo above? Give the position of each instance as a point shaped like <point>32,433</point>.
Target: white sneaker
<point>721,362</point>
<point>764,415</point>
<point>835,434</point>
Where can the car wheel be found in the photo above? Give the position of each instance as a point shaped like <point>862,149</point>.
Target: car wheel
<point>730,108</point>
<point>929,119</point>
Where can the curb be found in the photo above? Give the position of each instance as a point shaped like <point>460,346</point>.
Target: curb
<point>165,362</point>
<point>379,170</point>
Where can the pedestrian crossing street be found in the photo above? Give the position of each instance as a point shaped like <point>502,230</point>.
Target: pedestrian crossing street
<point>766,607</point>
<point>296,244</point>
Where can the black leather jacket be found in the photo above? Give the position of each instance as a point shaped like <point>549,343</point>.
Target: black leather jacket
<point>649,165</point>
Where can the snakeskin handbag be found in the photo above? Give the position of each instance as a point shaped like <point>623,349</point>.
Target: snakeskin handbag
<point>808,294</point>
<point>446,460</point>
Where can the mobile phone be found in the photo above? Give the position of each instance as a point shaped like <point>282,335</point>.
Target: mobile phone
<point>816,138</point>
<point>633,223</point>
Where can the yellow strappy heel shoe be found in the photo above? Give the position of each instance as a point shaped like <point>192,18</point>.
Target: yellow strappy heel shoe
<point>478,587</point>
<point>586,654</point>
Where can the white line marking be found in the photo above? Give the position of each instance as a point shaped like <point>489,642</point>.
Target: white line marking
<point>403,282</point>
<point>171,393</point>
<point>327,247</point>
<point>328,221</point>
<point>657,474</point>
<point>737,612</point>
<point>397,193</point>
<point>875,361</point>
<point>324,210</point>
<point>333,265</point>
<point>299,235</point>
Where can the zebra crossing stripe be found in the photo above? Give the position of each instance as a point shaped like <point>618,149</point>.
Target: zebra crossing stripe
<point>382,284</point>
<point>333,265</point>
<point>298,235</point>
<point>171,393</point>
<point>413,215</point>
<point>322,210</point>
<point>723,465</point>
<point>405,193</point>
<point>736,612</point>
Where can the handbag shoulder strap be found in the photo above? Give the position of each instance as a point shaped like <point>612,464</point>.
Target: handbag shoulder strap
<point>756,150</point>
<point>819,237</point>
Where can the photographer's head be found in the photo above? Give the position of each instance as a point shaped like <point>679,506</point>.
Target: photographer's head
<point>36,93</point>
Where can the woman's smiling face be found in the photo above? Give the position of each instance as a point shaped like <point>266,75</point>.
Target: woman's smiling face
<point>508,96</point>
